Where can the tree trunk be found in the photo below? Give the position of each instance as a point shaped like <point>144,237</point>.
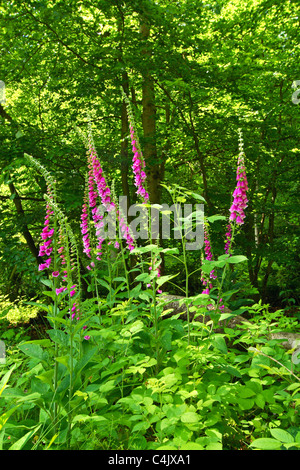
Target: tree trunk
<point>124,142</point>
<point>153,168</point>
<point>27,235</point>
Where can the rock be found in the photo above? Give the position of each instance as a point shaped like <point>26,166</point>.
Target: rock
<point>175,302</point>
<point>292,340</point>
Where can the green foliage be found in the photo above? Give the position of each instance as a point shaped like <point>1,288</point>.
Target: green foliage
<point>126,373</point>
<point>205,396</point>
<point>17,312</point>
<point>138,383</point>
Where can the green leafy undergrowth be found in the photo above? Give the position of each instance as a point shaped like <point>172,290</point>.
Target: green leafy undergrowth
<point>215,393</point>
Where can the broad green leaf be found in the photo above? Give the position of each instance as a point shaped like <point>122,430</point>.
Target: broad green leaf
<point>85,359</point>
<point>246,392</point>
<point>5,379</point>
<point>119,279</point>
<point>56,319</point>
<point>64,360</point>
<point>260,401</point>
<point>170,251</point>
<point>30,397</point>
<point>245,403</point>
<point>266,443</point>
<point>163,279</point>
<point>19,444</point>
<point>19,134</point>
<point>281,435</point>
<point>214,446</point>
<point>231,370</point>
<point>33,350</point>
<point>142,426</point>
<point>47,282</point>
<point>166,447</point>
<point>199,198</point>
<point>1,438</point>
<point>192,446</point>
<point>59,337</point>
<point>104,284</point>
<point>46,308</point>
<point>237,259</point>
<point>5,416</point>
<point>144,277</point>
<point>51,441</point>
<point>144,249</point>
<point>190,417</point>
<point>219,342</point>
<point>213,218</point>
<point>46,377</point>
<point>107,386</point>
<point>208,266</point>
<point>82,418</point>
<point>145,296</point>
<point>79,393</point>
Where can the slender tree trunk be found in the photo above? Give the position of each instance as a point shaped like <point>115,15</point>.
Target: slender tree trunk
<point>124,142</point>
<point>25,231</point>
<point>124,117</point>
<point>153,168</point>
<point>199,155</point>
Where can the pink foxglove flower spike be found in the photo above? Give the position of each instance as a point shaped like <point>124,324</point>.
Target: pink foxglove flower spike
<point>240,200</point>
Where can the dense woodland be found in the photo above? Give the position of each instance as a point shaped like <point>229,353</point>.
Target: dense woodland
<point>200,82</point>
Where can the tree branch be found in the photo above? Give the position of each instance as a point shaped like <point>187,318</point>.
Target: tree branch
<point>25,231</point>
<point>61,41</point>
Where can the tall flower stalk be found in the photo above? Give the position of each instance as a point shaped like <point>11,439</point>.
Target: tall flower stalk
<point>49,249</point>
<point>98,189</point>
<point>236,218</point>
<point>99,198</point>
<point>228,239</point>
<point>240,200</point>
<point>70,284</point>
<point>138,161</point>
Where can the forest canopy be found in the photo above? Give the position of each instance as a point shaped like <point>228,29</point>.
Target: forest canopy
<point>195,72</point>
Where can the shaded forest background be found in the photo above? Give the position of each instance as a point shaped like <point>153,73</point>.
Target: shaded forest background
<point>195,72</point>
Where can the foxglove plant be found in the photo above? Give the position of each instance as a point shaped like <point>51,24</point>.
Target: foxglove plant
<point>68,254</point>
<point>138,167</point>
<point>208,257</point>
<point>56,233</point>
<point>47,233</point>
<point>49,237</point>
<point>139,164</point>
<point>97,187</point>
<point>240,200</point>
<point>228,236</point>
<point>84,230</point>
<point>237,216</point>
<point>239,204</point>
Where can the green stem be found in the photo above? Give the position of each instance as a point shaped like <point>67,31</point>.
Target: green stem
<point>109,275</point>
<point>97,293</point>
<point>67,245</point>
<point>125,271</point>
<point>220,287</point>
<point>186,287</point>
<point>55,308</point>
<point>155,321</point>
